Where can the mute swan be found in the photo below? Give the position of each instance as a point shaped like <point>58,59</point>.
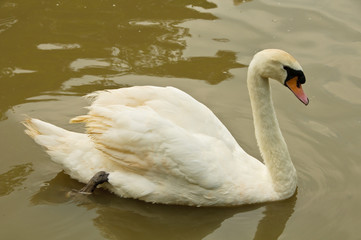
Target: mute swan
<point>160,145</point>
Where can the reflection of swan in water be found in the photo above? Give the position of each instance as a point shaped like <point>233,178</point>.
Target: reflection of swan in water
<point>118,218</point>
<point>275,218</point>
<point>160,145</point>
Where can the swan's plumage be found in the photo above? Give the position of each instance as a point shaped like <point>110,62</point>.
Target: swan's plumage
<point>158,144</point>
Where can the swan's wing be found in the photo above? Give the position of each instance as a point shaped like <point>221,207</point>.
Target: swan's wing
<point>160,132</point>
<point>172,104</point>
<point>144,143</point>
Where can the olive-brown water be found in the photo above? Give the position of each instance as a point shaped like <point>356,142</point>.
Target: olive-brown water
<point>54,52</point>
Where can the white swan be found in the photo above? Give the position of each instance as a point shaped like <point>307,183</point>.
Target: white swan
<point>160,145</point>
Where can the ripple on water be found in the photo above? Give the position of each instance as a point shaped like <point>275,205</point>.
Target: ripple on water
<point>7,23</point>
<point>12,71</point>
<point>114,64</point>
<point>321,128</point>
<point>57,46</point>
<point>345,90</point>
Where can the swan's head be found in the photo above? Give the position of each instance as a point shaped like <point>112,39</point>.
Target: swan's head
<point>282,67</point>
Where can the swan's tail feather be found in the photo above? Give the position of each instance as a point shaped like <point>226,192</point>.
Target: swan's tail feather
<point>44,133</point>
<point>30,130</point>
<point>71,150</point>
<point>37,127</point>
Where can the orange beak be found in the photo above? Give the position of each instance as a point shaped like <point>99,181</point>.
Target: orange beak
<point>296,88</point>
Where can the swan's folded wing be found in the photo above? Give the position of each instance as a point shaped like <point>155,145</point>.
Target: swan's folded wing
<point>143,142</point>
<point>172,104</point>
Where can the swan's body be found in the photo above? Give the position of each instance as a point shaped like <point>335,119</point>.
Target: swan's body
<point>161,145</point>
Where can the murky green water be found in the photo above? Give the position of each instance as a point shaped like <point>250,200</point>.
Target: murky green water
<point>53,52</point>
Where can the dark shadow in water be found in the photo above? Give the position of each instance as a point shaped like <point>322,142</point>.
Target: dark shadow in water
<point>143,37</point>
<point>14,178</point>
<point>212,69</point>
<point>275,218</point>
<point>132,219</point>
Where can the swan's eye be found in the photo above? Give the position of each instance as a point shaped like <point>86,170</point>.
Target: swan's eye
<point>292,73</point>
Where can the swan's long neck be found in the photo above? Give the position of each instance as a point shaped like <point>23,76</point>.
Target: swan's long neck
<point>271,143</point>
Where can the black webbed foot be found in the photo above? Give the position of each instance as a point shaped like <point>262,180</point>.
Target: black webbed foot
<point>98,178</point>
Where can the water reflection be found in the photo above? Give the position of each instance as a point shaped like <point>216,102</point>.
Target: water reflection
<point>7,23</point>
<point>212,69</point>
<point>70,39</point>
<point>119,218</point>
<point>275,218</point>
<point>14,178</point>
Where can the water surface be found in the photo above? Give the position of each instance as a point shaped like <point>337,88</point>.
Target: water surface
<point>54,52</point>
